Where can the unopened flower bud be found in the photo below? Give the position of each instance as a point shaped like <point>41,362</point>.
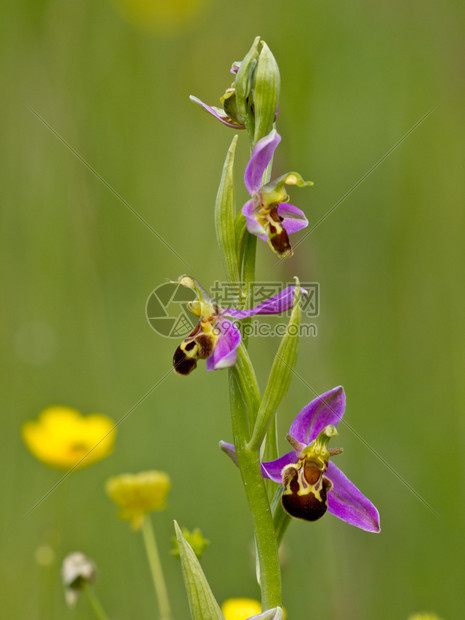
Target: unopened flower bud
<point>257,88</point>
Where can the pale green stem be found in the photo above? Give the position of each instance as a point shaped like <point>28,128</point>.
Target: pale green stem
<point>257,497</point>
<point>248,274</point>
<point>95,604</point>
<point>245,401</point>
<point>156,569</point>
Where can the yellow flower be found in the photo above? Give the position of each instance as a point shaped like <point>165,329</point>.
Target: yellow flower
<point>63,438</point>
<point>240,608</point>
<point>162,16</point>
<point>424,616</point>
<point>137,494</point>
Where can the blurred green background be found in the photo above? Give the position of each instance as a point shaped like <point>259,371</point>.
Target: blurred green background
<point>77,268</point>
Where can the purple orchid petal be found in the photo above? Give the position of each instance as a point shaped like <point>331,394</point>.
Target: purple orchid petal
<point>261,157</point>
<point>230,450</point>
<point>328,408</point>
<point>273,469</point>
<point>346,502</point>
<point>224,354</point>
<point>218,113</point>
<point>294,218</point>
<point>253,226</point>
<point>280,302</point>
<point>235,67</point>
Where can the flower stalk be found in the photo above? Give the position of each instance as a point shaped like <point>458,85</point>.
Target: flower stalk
<point>156,568</point>
<point>95,604</point>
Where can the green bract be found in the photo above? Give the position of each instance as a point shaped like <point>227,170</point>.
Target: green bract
<point>202,603</point>
<point>265,93</point>
<point>224,216</point>
<point>256,90</point>
<point>280,374</point>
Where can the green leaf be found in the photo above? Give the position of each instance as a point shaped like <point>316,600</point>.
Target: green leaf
<point>265,92</point>
<point>225,214</point>
<point>202,603</point>
<point>280,374</point>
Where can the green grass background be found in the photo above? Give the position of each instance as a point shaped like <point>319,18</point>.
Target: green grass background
<point>77,268</point>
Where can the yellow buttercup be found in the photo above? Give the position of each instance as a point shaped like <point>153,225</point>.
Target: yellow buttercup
<point>63,438</point>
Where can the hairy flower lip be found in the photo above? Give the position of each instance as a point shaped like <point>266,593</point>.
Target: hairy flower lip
<point>345,501</point>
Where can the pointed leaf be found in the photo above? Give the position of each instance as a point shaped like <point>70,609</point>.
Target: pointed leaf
<point>202,603</point>
<point>280,374</point>
<point>224,216</point>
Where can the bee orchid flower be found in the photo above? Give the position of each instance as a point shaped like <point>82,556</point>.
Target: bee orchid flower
<point>215,338</point>
<point>268,214</point>
<point>312,484</point>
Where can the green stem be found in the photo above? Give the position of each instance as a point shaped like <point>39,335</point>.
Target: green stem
<point>156,569</point>
<point>248,275</point>
<point>257,497</point>
<point>95,604</point>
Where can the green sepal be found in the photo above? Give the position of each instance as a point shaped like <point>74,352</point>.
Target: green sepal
<point>265,93</point>
<point>225,214</point>
<point>243,84</point>
<point>202,603</point>
<point>280,376</point>
<point>275,191</point>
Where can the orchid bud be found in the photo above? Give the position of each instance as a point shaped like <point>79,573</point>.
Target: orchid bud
<point>257,88</point>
